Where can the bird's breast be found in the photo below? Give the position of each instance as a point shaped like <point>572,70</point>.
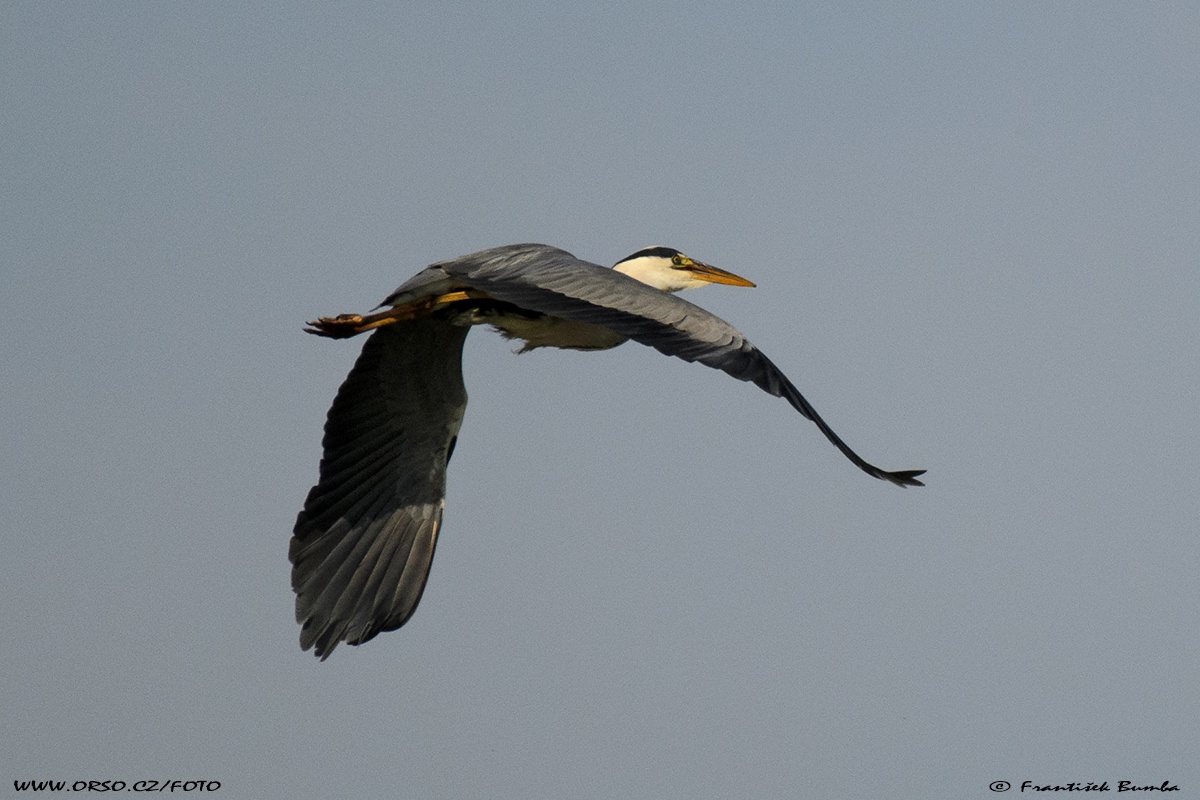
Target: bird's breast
<point>546,331</point>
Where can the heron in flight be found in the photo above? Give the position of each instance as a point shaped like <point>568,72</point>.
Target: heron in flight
<point>363,544</point>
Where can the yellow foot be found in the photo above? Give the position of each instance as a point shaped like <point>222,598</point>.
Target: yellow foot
<point>343,326</point>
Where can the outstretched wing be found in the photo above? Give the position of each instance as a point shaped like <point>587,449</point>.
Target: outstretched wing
<point>552,281</point>
<point>363,544</point>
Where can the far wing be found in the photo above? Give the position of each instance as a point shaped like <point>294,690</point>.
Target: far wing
<point>363,544</point>
<point>552,281</point>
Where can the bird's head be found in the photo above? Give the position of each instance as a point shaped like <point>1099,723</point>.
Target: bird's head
<point>670,270</point>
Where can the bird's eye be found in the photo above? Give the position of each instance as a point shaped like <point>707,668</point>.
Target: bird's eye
<point>677,260</point>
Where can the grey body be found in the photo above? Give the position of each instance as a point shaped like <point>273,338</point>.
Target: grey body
<point>364,542</point>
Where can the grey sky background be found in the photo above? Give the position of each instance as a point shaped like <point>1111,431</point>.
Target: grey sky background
<point>975,233</point>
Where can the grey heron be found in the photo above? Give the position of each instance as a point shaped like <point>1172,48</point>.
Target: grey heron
<point>363,544</point>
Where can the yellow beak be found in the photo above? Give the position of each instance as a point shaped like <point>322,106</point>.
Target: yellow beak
<point>707,272</point>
